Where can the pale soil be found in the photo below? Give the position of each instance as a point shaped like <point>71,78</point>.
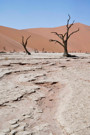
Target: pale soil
<point>44,94</point>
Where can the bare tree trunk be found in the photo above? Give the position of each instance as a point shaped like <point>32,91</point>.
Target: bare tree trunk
<point>65,49</point>
<point>65,52</point>
<point>25,44</point>
<point>27,51</point>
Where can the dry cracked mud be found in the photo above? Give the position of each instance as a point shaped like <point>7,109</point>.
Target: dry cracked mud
<point>44,94</point>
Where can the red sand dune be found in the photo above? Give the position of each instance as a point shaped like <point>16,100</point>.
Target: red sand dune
<point>79,42</point>
<point>8,44</point>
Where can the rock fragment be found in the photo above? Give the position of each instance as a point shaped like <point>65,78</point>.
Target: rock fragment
<point>14,121</point>
<point>6,131</point>
<point>14,126</point>
<point>13,132</point>
<point>21,128</point>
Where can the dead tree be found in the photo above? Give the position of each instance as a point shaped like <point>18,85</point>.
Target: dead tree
<point>24,43</point>
<point>65,37</point>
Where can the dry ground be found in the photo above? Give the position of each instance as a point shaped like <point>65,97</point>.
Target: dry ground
<point>44,94</point>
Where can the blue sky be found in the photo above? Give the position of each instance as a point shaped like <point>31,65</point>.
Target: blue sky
<point>22,14</point>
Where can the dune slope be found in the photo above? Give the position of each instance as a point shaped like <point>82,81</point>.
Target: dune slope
<point>79,42</point>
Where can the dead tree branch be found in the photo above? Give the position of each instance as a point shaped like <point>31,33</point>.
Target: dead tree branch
<point>24,43</point>
<point>56,41</point>
<point>64,37</point>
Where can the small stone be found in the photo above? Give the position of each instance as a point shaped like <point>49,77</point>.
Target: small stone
<point>24,124</point>
<point>14,121</point>
<point>6,130</point>
<point>28,116</point>
<point>24,133</point>
<point>41,127</point>
<point>27,133</point>
<point>23,114</point>
<point>13,132</point>
<point>21,128</point>
<point>40,111</point>
<point>22,118</point>
<point>14,126</point>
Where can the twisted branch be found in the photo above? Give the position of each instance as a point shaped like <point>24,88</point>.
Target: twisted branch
<point>56,41</point>
<point>25,44</point>
<point>73,32</point>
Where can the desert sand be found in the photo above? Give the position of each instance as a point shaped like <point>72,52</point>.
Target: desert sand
<point>44,94</point>
<point>10,39</point>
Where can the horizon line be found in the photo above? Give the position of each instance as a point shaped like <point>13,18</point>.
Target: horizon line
<point>41,27</point>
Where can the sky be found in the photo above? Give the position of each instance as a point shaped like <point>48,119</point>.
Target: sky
<point>23,14</point>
